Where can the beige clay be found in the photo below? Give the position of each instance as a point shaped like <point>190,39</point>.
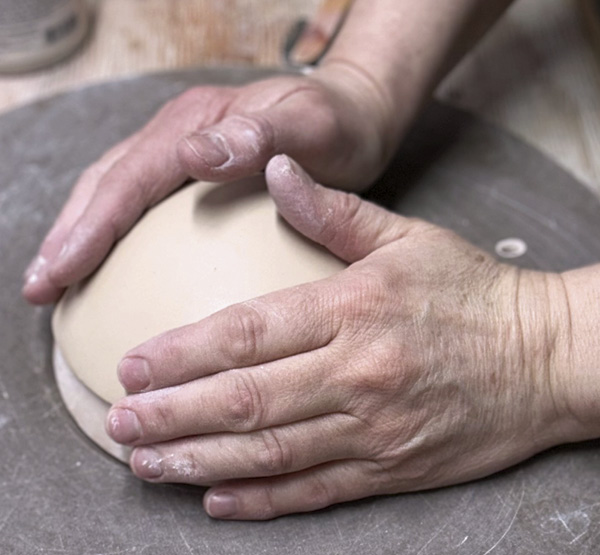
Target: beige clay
<point>87,409</point>
<point>204,248</point>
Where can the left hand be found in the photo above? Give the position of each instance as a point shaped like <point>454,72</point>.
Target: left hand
<point>425,363</point>
<point>336,121</point>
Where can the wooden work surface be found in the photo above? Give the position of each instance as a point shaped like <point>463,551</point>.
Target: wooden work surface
<point>534,74</point>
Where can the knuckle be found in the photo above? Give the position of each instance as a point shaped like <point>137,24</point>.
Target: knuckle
<point>321,493</point>
<point>133,179</point>
<point>256,131</point>
<point>317,493</point>
<point>245,331</point>
<point>245,406</point>
<point>93,172</point>
<point>374,381</point>
<point>194,109</point>
<point>117,224</point>
<point>268,505</point>
<point>163,416</point>
<point>122,194</point>
<point>364,301</point>
<point>429,235</point>
<point>189,98</point>
<point>249,121</point>
<point>345,213</point>
<point>377,377</point>
<point>415,471</point>
<point>434,231</point>
<point>171,347</point>
<point>275,455</point>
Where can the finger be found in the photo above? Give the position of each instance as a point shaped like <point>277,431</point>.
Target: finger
<point>210,459</point>
<point>349,227</point>
<point>148,172</point>
<point>308,490</point>
<point>108,201</point>
<point>271,327</point>
<point>38,288</point>
<point>242,144</point>
<point>234,401</point>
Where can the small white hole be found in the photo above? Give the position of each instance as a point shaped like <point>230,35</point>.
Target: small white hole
<point>511,248</point>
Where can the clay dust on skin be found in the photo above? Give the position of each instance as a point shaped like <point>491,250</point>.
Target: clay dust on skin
<point>297,203</point>
<point>182,466</point>
<point>179,466</point>
<point>151,397</point>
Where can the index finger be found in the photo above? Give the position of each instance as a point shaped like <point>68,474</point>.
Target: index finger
<point>38,288</point>
<point>139,175</point>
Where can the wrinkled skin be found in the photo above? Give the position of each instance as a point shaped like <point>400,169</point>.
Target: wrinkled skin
<point>335,127</point>
<point>425,363</point>
<point>411,369</point>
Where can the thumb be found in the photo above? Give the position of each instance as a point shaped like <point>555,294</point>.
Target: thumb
<point>348,226</point>
<point>241,144</point>
<point>237,146</point>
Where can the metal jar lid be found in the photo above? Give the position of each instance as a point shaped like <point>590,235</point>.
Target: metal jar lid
<point>37,33</point>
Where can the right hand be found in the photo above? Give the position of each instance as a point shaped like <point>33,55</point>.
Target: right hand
<point>335,122</point>
<point>425,363</point>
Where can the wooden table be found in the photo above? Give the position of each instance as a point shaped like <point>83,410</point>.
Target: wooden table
<point>534,74</point>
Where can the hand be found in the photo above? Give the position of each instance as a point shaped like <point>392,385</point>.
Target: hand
<point>335,122</point>
<point>425,363</point>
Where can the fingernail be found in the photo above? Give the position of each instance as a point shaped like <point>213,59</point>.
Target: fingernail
<point>286,167</point>
<point>134,374</point>
<point>212,149</point>
<point>221,505</point>
<point>286,163</point>
<point>297,170</point>
<point>32,273</point>
<point>124,426</point>
<point>149,466</point>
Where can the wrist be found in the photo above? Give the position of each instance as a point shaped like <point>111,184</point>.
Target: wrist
<point>373,109</point>
<point>580,360</point>
<point>557,355</point>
